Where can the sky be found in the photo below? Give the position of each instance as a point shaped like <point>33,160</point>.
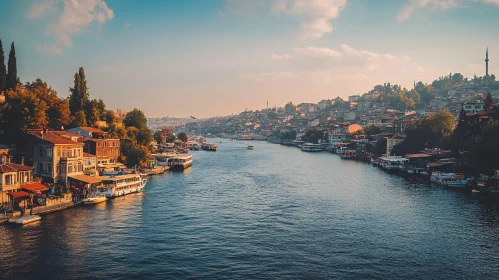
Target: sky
<point>218,57</point>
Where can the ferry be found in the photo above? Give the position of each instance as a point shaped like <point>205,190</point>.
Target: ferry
<point>95,199</point>
<point>181,162</point>
<point>392,163</point>
<point>209,147</point>
<point>114,186</point>
<point>309,147</point>
<point>453,180</point>
<point>245,137</point>
<point>250,147</point>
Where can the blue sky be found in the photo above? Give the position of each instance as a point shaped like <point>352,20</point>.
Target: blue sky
<point>217,57</point>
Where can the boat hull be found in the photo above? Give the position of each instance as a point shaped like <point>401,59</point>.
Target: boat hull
<point>94,200</point>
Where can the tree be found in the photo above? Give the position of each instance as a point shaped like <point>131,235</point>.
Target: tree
<point>456,139</point>
<point>485,153</point>
<point>159,137</point>
<point>78,98</point>
<point>11,78</point>
<point>92,112</point>
<point>290,107</point>
<point>313,136</point>
<point>3,70</point>
<point>132,154</point>
<point>80,119</point>
<point>21,111</point>
<point>144,137</point>
<point>171,139</point>
<point>488,103</point>
<point>136,118</point>
<point>372,130</point>
<point>182,136</point>
<point>57,113</point>
<point>102,109</point>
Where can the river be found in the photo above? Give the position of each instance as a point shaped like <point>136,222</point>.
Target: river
<point>273,212</point>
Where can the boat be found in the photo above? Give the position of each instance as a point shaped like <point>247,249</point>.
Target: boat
<point>94,199</point>
<point>245,137</point>
<point>309,147</point>
<point>347,154</point>
<point>453,180</point>
<point>25,220</point>
<point>250,147</point>
<point>393,163</point>
<point>209,147</point>
<point>113,186</point>
<point>181,162</point>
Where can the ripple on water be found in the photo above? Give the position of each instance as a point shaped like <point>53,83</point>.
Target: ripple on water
<point>274,212</point>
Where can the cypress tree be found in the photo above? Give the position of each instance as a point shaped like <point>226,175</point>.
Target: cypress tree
<point>488,103</point>
<point>11,81</point>
<point>78,99</point>
<point>3,69</point>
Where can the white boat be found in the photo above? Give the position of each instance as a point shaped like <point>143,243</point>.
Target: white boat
<point>453,180</point>
<point>393,163</point>
<point>250,147</point>
<point>94,199</point>
<point>114,186</point>
<point>25,219</point>
<point>181,162</point>
<point>309,147</point>
<point>163,159</point>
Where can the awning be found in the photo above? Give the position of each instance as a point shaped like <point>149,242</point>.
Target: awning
<point>86,179</point>
<point>34,187</point>
<point>19,195</point>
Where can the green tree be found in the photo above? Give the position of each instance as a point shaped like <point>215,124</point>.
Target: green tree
<point>457,140</point>
<point>136,118</point>
<point>80,119</point>
<point>488,103</point>
<point>132,154</point>
<point>11,78</point>
<point>3,69</point>
<point>485,153</point>
<point>78,98</point>
<point>182,136</point>
<point>171,139</point>
<point>92,112</point>
<point>57,113</point>
<point>159,137</point>
<point>313,136</point>
<point>372,130</point>
<point>290,107</point>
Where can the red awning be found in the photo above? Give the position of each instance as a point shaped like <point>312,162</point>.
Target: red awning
<point>34,187</point>
<point>16,195</point>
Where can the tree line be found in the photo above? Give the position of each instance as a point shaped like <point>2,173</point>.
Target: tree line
<point>36,105</point>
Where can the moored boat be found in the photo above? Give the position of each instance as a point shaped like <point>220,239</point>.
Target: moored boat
<point>309,147</point>
<point>94,199</point>
<point>250,147</point>
<point>181,162</point>
<point>25,220</point>
<point>114,186</point>
<point>453,180</point>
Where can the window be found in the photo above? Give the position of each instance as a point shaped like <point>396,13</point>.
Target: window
<point>70,168</point>
<point>59,152</point>
<point>105,153</point>
<point>105,144</point>
<point>40,151</point>
<point>49,152</point>
<point>79,153</point>
<point>40,167</point>
<point>49,167</point>
<point>9,180</point>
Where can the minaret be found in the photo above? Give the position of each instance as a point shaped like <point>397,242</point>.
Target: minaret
<point>267,105</point>
<point>487,62</point>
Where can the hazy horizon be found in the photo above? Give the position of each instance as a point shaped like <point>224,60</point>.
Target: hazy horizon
<point>216,58</point>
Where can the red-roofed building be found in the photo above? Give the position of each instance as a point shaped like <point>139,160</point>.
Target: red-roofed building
<point>12,177</point>
<point>89,132</point>
<point>55,156</point>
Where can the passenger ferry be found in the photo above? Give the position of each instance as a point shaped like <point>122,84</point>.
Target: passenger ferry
<point>453,180</point>
<point>114,186</point>
<point>181,162</point>
<point>309,147</point>
<point>163,159</point>
<point>209,147</point>
<point>245,137</point>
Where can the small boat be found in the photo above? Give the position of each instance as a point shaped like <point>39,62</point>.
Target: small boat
<point>453,180</point>
<point>250,147</point>
<point>94,199</point>
<point>25,220</point>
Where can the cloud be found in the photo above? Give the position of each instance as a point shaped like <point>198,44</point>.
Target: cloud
<point>40,9</point>
<point>73,17</point>
<point>414,5</point>
<point>281,56</point>
<point>268,76</point>
<point>126,25</point>
<point>420,69</point>
<point>317,52</point>
<point>53,49</point>
<point>315,15</point>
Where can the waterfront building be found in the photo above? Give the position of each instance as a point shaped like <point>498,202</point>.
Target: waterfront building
<point>55,157</point>
<point>89,164</point>
<point>12,177</point>
<point>391,142</point>
<point>107,150</point>
<point>6,153</point>
<point>473,107</point>
<point>337,137</point>
<point>167,132</point>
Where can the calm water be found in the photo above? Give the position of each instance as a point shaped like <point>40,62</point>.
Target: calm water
<point>274,212</point>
